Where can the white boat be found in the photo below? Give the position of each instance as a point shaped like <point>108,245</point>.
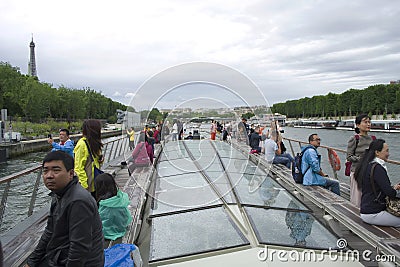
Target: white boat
<point>389,126</point>
<point>315,124</point>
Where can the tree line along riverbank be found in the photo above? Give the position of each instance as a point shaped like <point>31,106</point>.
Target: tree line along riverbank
<point>382,100</point>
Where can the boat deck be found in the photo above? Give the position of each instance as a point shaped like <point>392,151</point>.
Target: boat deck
<point>243,204</point>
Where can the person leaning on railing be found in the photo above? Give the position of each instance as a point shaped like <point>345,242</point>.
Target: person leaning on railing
<point>373,206</point>
<point>131,134</point>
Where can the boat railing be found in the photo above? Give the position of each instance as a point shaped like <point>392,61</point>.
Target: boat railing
<point>111,150</point>
<point>341,153</point>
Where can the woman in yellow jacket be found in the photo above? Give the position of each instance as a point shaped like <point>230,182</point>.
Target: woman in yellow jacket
<point>90,143</point>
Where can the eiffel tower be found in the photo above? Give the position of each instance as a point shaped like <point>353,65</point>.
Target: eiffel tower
<point>32,62</point>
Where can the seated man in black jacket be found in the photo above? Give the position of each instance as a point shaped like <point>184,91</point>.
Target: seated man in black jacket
<point>73,235</point>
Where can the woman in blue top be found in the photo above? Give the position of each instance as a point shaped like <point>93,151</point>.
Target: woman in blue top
<point>372,208</point>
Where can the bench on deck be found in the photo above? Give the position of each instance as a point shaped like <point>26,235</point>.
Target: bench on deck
<point>135,186</point>
<point>135,182</point>
<point>386,240</point>
<point>19,242</point>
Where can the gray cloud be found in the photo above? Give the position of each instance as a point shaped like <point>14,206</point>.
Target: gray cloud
<point>289,49</point>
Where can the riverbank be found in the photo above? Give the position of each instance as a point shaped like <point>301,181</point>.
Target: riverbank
<point>13,150</point>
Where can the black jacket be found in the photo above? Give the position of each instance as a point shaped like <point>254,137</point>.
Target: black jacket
<point>73,235</point>
<point>372,203</point>
<point>255,139</point>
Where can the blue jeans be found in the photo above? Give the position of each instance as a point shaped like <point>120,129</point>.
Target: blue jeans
<point>333,185</point>
<point>285,159</point>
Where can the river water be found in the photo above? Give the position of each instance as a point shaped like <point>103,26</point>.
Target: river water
<point>20,191</point>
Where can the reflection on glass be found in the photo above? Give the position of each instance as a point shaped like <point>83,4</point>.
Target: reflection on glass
<point>299,223</point>
<point>268,192</point>
<point>271,227</point>
<point>181,192</point>
<point>193,232</point>
<point>175,167</point>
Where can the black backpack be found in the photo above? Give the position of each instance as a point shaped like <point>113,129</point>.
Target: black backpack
<point>297,173</point>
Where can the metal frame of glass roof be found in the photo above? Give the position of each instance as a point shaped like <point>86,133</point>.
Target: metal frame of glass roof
<point>250,207</point>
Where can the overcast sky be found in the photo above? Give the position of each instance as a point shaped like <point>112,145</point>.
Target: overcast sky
<point>224,51</point>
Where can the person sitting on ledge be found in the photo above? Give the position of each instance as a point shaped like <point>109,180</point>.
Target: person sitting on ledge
<point>73,235</point>
<point>273,151</point>
<point>377,186</point>
<point>311,166</point>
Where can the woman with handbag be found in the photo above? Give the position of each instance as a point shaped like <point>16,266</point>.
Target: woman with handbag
<point>371,175</point>
<point>355,149</point>
<point>88,157</point>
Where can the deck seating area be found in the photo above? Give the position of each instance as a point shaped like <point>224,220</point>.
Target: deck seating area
<point>135,182</point>
<point>338,210</point>
<point>134,185</point>
<point>19,242</point>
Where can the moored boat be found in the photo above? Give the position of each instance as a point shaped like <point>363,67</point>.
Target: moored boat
<point>389,126</point>
<point>314,124</point>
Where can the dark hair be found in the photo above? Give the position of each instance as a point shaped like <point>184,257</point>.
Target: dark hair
<point>366,158</point>
<point>91,129</point>
<point>67,160</point>
<point>311,137</point>
<point>142,137</point>
<point>105,186</point>
<point>65,130</point>
<point>358,120</point>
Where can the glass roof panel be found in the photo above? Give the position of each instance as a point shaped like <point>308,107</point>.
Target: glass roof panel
<point>213,167</point>
<point>188,191</point>
<point>193,232</point>
<point>242,166</point>
<point>175,167</point>
<point>232,154</point>
<point>264,191</point>
<point>171,155</point>
<point>173,146</point>
<point>208,159</point>
<point>290,228</point>
<point>224,187</point>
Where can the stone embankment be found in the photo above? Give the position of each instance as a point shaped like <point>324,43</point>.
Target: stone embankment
<point>24,147</point>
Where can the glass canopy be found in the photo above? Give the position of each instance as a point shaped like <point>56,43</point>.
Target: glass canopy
<point>197,180</point>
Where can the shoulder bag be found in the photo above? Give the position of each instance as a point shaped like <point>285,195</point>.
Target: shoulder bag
<point>348,164</point>
<point>392,204</point>
<point>96,171</point>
